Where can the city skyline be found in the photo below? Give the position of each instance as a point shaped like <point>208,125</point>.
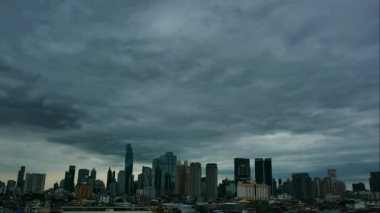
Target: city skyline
<point>253,173</point>
<point>294,81</point>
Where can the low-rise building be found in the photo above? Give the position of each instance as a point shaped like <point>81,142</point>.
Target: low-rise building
<point>252,191</point>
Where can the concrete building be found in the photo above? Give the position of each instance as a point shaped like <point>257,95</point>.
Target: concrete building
<point>195,175</point>
<point>252,191</point>
<point>34,182</point>
<point>211,180</point>
<point>182,179</point>
<point>83,191</point>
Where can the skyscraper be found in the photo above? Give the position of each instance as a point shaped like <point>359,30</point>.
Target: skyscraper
<point>69,179</point>
<point>128,168</point>
<point>195,175</point>
<point>242,169</point>
<point>20,178</point>
<point>268,174</point>
<point>374,182</point>
<point>146,176</point>
<point>121,182</point>
<point>263,172</point>
<point>82,175</point>
<point>211,180</point>
<point>182,178</point>
<point>163,174</point>
<point>109,178</point>
<point>259,170</point>
<point>34,182</point>
<point>302,186</point>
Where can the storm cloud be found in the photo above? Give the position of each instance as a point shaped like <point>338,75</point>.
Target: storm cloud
<point>296,81</point>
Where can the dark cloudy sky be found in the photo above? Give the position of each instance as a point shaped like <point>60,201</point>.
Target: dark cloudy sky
<point>296,80</point>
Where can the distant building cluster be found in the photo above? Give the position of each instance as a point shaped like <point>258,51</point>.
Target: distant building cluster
<point>170,178</point>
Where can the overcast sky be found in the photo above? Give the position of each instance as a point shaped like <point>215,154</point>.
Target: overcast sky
<point>297,81</point>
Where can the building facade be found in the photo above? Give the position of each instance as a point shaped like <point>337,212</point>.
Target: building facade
<point>128,169</point>
<point>242,169</point>
<point>211,180</point>
<point>34,182</point>
<point>195,175</point>
<point>252,191</point>
<point>163,174</point>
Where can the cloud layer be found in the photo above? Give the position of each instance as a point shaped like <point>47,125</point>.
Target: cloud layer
<point>296,81</point>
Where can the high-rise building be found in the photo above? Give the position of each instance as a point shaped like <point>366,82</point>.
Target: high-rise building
<point>69,179</point>
<point>11,185</point>
<point>302,186</point>
<point>121,182</point>
<point>227,188</point>
<point>20,178</point>
<point>263,172</point>
<point>83,174</point>
<point>163,174</point>
<point>146,176</point>
<point>182,178</point>
<point>259,170</point>
<point>211,180</point>
<point>93,174</point>
<point>358,187</point>
<point>331,174</point>
<point>34,182</point>
<point>128,169</point>
<point>110,178</point>
<point>316,187</point>
<point>374,181</point>
<point>242,170</point>
<point>195,175</point>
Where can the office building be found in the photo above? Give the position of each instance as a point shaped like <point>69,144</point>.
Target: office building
<point>83,175</point>
<point>195,175</point>
<point>263,172</point>
<point>128,169</point>
<point>69,179</point>
<point>163,174</point>
<point>34,182</point>
<point>374,181</point>
<point>302,186</point>
<point>146,177</point>
<point>358,187</point>
<point>242,170</point>
<point>211,180</point>
<point>11,185</point>
<point>182,178</point>
<point>20,178</point>
<point>316,193</point>
<point>227,188</point>
<point>121,182</point>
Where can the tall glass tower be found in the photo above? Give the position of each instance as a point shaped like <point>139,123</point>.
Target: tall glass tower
<point>128,168</point>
